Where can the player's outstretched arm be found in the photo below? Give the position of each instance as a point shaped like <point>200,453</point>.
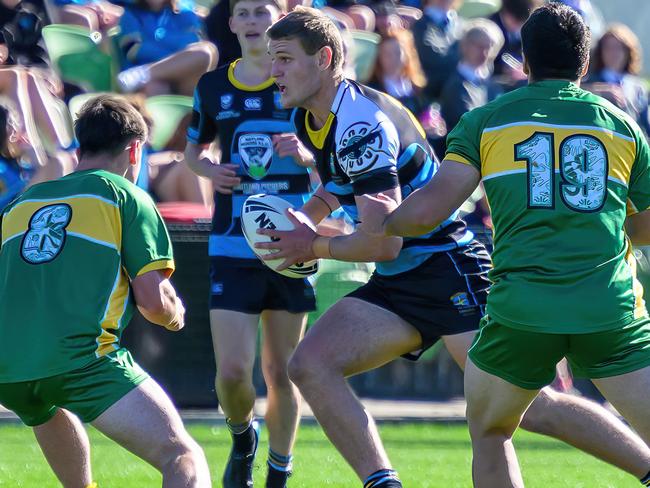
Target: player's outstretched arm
<point>156,299</point>
<point>426,208</point>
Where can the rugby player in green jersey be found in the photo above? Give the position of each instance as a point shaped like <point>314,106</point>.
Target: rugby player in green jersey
<point>430,287</point>
<point>77,255</point>
<point>562,168</point>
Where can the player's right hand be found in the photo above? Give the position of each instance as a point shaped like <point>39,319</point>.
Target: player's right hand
<point>224,177</point>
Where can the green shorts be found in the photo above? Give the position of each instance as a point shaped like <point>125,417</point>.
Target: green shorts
<point>528,359</point>
<point>86,392</point>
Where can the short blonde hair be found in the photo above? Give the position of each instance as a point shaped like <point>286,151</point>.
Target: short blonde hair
<point>487,29</point>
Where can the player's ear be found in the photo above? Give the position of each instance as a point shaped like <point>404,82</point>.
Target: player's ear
<point>135,152</point>
<point>525,68</point>
<point>325,58</point>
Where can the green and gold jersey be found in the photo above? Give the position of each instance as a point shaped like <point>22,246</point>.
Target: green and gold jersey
<point>68,250</point>
<point>560,166</point>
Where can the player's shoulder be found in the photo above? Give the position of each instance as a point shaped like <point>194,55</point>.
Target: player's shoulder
<point>215,80</point>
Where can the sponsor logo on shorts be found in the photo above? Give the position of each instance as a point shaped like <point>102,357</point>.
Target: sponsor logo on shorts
<point>462,303</point>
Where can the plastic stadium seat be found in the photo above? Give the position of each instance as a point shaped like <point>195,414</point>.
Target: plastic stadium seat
<point>365,52</point>
<point>336,279</point>
<point>166,112</point>
<point>76,54</point>
<point>479,8</point>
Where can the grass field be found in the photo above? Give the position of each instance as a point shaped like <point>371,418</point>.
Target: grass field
<point>426,455</point>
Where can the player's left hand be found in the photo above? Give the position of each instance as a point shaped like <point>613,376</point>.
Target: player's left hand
<point>295,246</point>
<point>288,144</point>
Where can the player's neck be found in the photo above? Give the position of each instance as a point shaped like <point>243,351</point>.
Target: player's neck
<point>320,105</point>
<point>101,162</point>
<point>253,70</point>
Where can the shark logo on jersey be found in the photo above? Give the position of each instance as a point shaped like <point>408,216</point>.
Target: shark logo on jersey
<point>46,235</point>
<point>256,152</point>
<point>361,146</point>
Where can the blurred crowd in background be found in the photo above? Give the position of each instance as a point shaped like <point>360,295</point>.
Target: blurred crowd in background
<point>440,58</point>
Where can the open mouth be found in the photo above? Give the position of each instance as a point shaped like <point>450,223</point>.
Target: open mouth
<point>282,88</point>
<point>252,35</point>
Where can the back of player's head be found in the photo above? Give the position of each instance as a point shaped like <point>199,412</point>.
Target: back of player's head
<point>281,5</point>
<point>556,43</point>
<point>314,30</point>
<point>107,124</point>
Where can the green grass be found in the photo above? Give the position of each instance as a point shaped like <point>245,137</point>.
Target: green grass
<point>426,455</point>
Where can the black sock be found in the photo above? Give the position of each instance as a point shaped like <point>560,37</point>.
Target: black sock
<point>645,481</point>
<point>243,437</point>
<point>383,478</point>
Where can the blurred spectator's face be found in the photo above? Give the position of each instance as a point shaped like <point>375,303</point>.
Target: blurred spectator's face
<point>249,22</point>
<point>476,50</point>
<point>157,5</point>
<point>297,74</point>
<point>391,58</point>
<point>387,23</point>
<point>615,54</point>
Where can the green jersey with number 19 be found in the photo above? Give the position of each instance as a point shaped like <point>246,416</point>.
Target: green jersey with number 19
<point>561,167</point>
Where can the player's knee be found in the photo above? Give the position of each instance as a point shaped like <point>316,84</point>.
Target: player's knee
<point>541,416</point>
<point>233,374</point>
<point>183,455</point>
<point>304,367</point>
<point>276,375</point>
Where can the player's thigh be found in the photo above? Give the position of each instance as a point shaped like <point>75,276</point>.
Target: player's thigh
<point>353,336</point>
<point>458,345</point>
<point>281,331</point>
<point>630,395</point>
<point>234,339</point>
<point>146,423</point>
<point>494,405</point>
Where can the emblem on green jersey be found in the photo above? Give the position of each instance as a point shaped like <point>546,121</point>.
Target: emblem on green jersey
<point>46,235</point>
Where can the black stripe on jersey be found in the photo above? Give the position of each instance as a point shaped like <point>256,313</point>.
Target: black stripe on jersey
<point>375,181</point>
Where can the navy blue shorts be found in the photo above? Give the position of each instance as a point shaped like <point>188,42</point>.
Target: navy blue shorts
<point>246,285</point>
<point>445,295</point>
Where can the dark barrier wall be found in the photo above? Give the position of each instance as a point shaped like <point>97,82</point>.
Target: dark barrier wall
<point>183,362</point>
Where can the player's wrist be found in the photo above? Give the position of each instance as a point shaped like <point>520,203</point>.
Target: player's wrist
<point>320,247</point>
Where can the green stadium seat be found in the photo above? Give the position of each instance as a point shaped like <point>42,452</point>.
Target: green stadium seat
<point>364,49</point>
<point>471,9</point>
<point>76,54</point>
<point>166,111</point>
<point>336,279</point>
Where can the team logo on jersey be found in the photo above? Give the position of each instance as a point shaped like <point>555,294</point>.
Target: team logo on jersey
<point>254,103</point>
<point>256,152</point>
<point>360,147</point>
<point>46,235</point>
<point>226,101</point>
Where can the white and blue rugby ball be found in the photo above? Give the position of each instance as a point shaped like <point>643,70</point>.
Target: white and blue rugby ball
<point>268,212</point>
